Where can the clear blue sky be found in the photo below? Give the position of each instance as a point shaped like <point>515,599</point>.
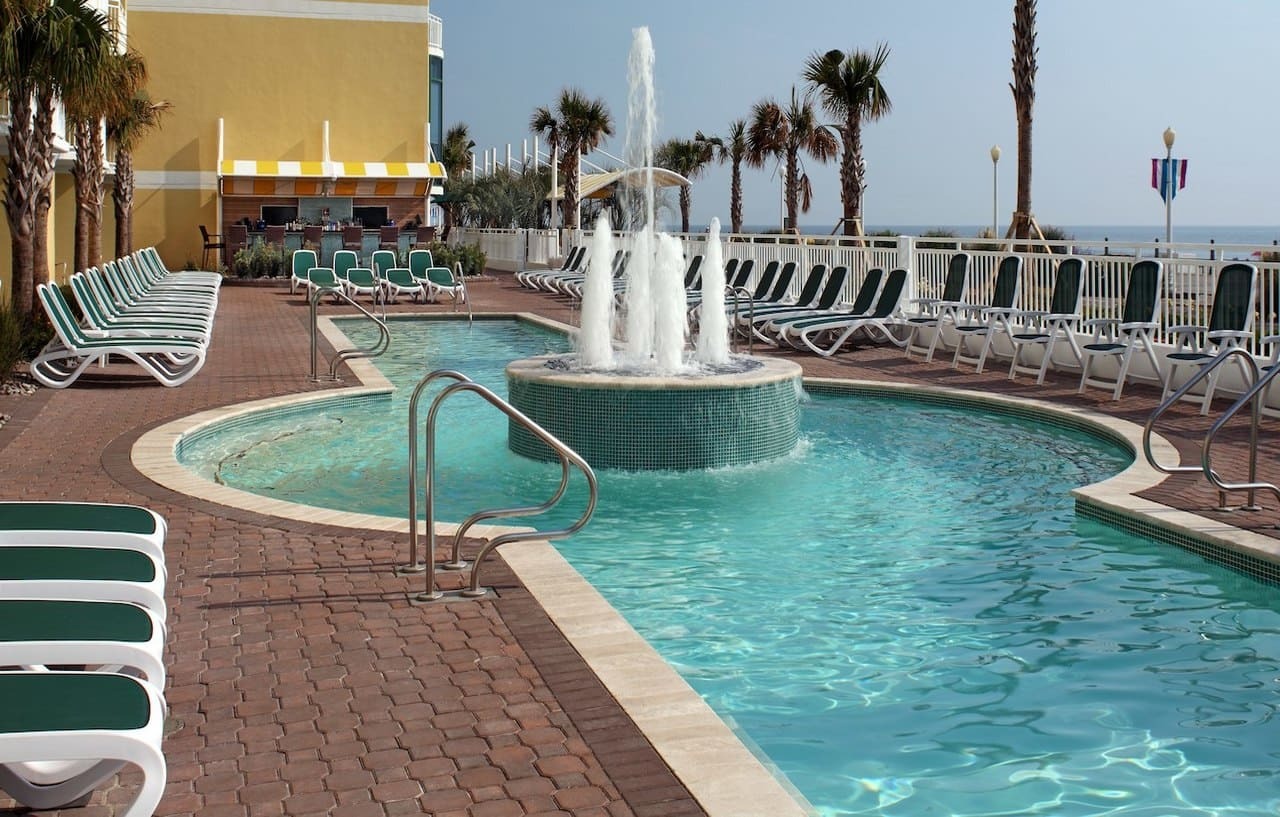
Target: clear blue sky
<point>1112,75</point>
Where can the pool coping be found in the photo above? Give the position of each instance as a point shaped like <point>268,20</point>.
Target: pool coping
<point>713,762</point>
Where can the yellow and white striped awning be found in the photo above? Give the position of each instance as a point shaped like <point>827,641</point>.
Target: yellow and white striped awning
<point>248,177</point>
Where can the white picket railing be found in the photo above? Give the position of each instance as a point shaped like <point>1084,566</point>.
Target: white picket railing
<point>1188,281</point>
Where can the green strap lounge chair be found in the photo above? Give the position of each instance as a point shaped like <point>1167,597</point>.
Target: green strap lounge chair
<point>85,573</point>
<point>934,313</point>
<point>1121,338</point>
<point>736,275</point>
<point>825,335</point>
<point>1230,325</point>
<point>99,315</point>
<point>97,720</point>
<point>343,262</point>
<point>992,320</point>
<point>300,262</point>
<point>863,301</point>
<point>1048,328</point>
<point>574,263</point>
<point>362,281</point>
<point>43,632</point>
<point>395,280</point>
<point>83,524</point>
<point>170,360</point>
<point>822,304</point>
<point>149,258</point>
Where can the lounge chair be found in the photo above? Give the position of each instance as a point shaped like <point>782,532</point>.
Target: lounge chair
<point>363,281</point>
<point>88,573</point>
<point>395,280</point>
<point>1047,328</point>
<point>143,324</point>
<point>96,719</point>
<point>934,313</point>
<point>993,319</point>
<point>861,306</point>
<point>826,335</point>
<point>149,259</point>
<point>170,360</point>
<point>435,281</point>
<point>36,632</point>
<point>736,275</point>
<point>1121,338</point>
<point>572,262</point>
<point>301,261</point>
<point>83,524</point>
<point>821,304</point>
<point>1230,325</point>
<point>343,262</point>
<point>770,289</point>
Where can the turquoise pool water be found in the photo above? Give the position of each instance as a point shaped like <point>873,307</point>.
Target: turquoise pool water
<point>905,616</point>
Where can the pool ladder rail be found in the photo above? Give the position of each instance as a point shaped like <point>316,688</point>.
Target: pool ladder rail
<point>1253,396</point>
<point>343,355</point>
<point>416,564</point>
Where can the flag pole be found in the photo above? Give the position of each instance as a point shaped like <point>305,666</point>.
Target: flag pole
<point>1169,182</point>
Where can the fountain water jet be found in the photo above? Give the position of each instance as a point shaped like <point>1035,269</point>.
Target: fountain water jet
<point>650,407</point>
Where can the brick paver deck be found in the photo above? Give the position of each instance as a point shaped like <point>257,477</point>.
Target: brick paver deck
<point>302,681</point>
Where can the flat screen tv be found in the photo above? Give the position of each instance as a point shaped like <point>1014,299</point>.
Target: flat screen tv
<point>277,214</point>
<point>371,217</point>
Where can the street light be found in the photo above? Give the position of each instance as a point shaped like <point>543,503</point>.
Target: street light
<point>1169,136</point>
<point>995,187</point>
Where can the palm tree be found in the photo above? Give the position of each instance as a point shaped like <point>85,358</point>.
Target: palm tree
<point>688,157</point>
<point>782,133</point>
<point>576,127</point>
<point>457,158</point>
<point>850,89</point>
<point>733,149</point>
<point>98,92</point>
<point>126,127</point>
<point>1024,98</point>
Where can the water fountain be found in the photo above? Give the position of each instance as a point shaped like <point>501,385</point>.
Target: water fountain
<point>647,404</point>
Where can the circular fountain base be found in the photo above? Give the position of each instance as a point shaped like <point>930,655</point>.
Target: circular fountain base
<point>652,422</point>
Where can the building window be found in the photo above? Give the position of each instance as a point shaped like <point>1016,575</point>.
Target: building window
<point>437,107</point>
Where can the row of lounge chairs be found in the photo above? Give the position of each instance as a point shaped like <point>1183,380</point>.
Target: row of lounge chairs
<point>385,280</point>
<point>134,308</point>
<point>81,585</point>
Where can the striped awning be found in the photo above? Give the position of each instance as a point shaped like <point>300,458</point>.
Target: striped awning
<point>248,177</point>
<point>601,185</point>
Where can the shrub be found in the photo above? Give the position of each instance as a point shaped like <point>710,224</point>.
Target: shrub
<point>259,260</point>
<point>11,341</point>
<point>472,257</point>
<point>937,245</point>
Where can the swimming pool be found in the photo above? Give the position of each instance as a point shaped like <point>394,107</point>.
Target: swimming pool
<point>899,626</point>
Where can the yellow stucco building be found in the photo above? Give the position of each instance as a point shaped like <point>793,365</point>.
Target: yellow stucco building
<point>284,111</point>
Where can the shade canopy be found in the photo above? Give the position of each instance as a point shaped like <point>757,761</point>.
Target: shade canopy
<point>601,185</point>
<point>251,177</point>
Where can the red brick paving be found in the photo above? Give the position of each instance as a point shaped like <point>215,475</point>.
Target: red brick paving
<point>302,682</point>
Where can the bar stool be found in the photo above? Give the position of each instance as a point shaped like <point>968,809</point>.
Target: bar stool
<point>353,239</point>
<point>274,234</point>
<point>212,243</point>
<point>389,239</point>
<point>312,236</point>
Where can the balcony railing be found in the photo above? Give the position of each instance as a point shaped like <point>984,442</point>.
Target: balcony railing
<point>435,33</point>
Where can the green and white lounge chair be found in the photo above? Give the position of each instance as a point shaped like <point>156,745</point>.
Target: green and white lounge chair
<point>98,315</point>
<point>395,280</point>
<point>573,264</point>
<point>1230,325</point>
<point>343,262</point>
<point>1047,329</point>
<point>435,281</point>
<point>83,524</point>
<point>85,573</point>
<point>820,304</point>
<point>68,721</point>
<point>300,262</point>
<point>825,335</point>
<point>935,313</point>
<point>1122,338</point>
<point>45,632</point>
<point>861,307</point>
<point>170,360</point>
<point>150,259</point>
<point>993,319</point>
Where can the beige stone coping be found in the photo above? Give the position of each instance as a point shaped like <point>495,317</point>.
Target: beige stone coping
<point>771,370</point>
<point>712,762</point>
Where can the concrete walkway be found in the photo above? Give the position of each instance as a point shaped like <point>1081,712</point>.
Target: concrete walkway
<point>302,682</point>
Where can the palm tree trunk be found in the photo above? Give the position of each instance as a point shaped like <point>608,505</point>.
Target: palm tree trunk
<point>81,172</point>
<point>1024,97</point>
<point>853,171</point>
<point>97,184</point>
<point>122,198</point>
<point>792,187</point>
<point>686,203</point>
<point>570,172</point>
<point>735,197</point>
<point>21,192</point>
<point>42,164</point>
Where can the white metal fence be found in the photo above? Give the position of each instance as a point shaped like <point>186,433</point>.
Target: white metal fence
<point>1189,276</point>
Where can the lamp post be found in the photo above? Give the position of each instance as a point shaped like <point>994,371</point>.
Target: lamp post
<point>1169,136</point>
<point>995,188</point>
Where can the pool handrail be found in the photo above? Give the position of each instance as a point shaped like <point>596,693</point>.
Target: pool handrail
<point>751,316</point>
<point>343,355</point>
<point>567,458</point>
<point>1255,388</point>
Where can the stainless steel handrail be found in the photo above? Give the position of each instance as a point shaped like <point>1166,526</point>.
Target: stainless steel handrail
<point>751,316</point>
<point>1257,387</point>
<point>466,296</point>
<point>416,564</point>
<point>567,457</point>
<point>380,346</point>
